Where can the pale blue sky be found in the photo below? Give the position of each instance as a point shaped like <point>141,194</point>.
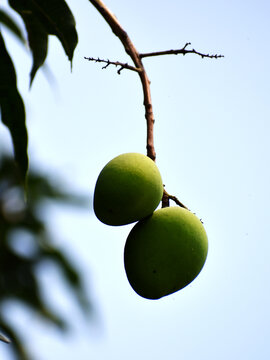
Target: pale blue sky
<point>212,142</point>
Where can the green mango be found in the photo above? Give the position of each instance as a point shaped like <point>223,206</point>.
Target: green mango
<point>165,252</point>
<point>128,189</point>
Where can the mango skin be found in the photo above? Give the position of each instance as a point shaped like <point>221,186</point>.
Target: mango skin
<point>128,189</point>
<point>165,252</point>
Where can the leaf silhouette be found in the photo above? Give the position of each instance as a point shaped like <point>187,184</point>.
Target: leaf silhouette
<point>12,109</point>
<point>43,18</point>
<point>7,21</point>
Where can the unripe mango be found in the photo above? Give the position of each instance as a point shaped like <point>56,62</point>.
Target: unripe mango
<point>128,189</point>
<point>165,252</point>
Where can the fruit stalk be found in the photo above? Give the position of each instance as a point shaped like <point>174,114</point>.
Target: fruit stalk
<point>166,200</point>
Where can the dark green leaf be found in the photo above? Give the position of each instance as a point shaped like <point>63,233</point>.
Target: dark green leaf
<point>59,21</point>
<point>7,20</point>
<point>12,108</point>
<point>38,42</point>
<point>43,18</point>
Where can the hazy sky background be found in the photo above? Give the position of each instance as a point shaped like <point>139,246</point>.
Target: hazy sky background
<point>212,142</point>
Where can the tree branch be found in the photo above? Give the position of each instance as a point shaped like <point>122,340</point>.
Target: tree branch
<point>139,68</point>
<point>135,56</point>
<point>182,51</point>
<point>116,63</point>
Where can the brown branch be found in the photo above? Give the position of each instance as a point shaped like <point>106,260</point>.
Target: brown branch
<point>182,51</point>
<point>166,200</point>
<point>139,68</point>
<point>116,63</point>
<point>135,56</point>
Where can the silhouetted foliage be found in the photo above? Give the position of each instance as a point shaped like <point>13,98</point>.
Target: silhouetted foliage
<point>23,193</point>
<point>41,19</point>
<point>18,275</point>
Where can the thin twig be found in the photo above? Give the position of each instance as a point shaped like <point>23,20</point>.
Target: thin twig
<point>182,51</point>
<point>116,63</point>
<point>166,200</point>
